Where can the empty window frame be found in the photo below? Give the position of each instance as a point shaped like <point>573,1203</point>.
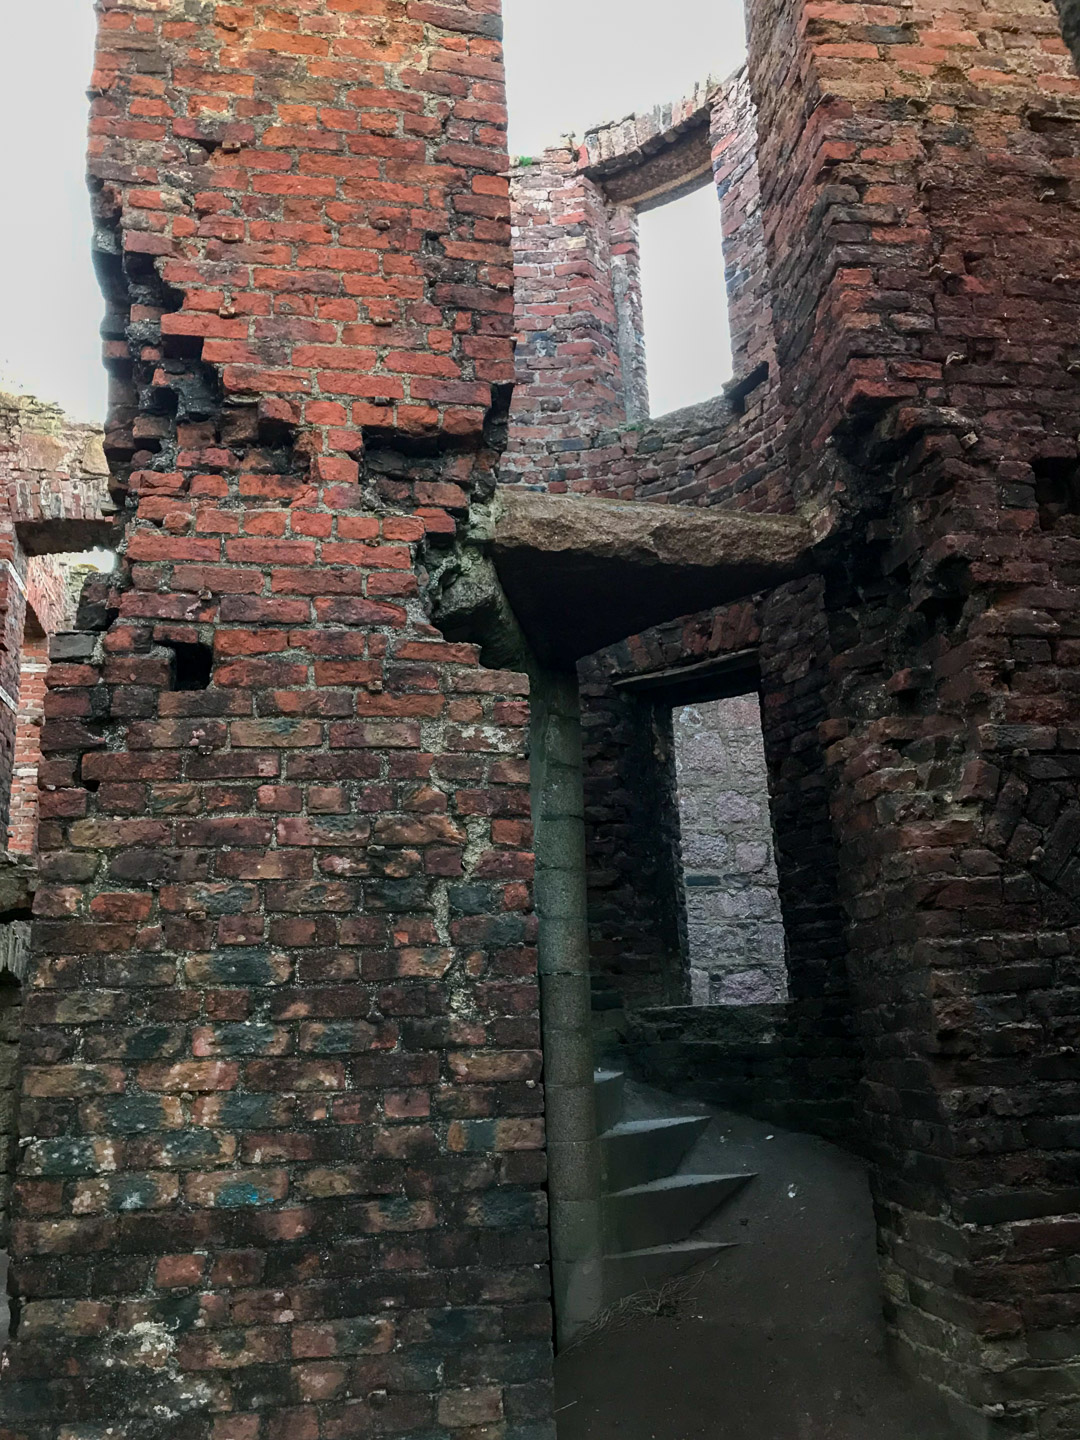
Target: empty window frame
<point>684,301</point>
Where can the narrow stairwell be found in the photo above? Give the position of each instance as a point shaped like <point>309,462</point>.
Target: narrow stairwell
<point>650,1210</point>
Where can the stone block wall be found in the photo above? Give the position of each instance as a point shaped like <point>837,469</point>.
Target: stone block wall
<point>735,931</point>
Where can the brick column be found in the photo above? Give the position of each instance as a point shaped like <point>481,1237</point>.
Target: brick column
<point>281,1064</point>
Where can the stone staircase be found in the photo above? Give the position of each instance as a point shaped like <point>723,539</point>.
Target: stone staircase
<point>651,1211</point>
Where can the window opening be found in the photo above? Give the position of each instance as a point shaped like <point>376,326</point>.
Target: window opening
<point>734,926</point>
<point>193,665</point>
<point>684,299</point>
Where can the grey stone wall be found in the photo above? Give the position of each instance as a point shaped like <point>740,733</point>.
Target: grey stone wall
<point>735,930</point>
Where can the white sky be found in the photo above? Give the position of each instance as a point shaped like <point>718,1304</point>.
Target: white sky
<point>687,341</point>
<point>50,305</point>
<point>571,64</point>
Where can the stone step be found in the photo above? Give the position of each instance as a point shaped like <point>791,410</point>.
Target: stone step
<point>609,1098</point>
<point>665,1212</point>
<point>637,1151</point>
<point>636,1270</point>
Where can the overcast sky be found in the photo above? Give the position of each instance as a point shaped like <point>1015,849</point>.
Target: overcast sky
<point>571,64</point>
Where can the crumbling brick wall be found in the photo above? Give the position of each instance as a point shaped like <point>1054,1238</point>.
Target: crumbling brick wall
<point>918,223</point>
<point>579,420</point>
<point>281,1058</point>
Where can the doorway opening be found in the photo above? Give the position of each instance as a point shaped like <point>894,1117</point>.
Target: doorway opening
<point>734,939</point>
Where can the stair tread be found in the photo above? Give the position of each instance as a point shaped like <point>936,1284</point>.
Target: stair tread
<point>676,1182</point>
<point>682,1247</point>
<point>646,1127</point>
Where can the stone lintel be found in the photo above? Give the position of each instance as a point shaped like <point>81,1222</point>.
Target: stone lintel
<point>582,573</point>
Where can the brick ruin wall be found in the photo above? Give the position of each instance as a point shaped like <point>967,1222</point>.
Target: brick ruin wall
<point>579,418</point>
<point>914,184</point>
<point>281,1053</point>
<point>735,931</point>
<point>53,486</point>
<point>53,499</point>
<point>281,1058</point>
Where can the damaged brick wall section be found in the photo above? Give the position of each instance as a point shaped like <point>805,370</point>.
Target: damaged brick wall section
<point>281,1057</point>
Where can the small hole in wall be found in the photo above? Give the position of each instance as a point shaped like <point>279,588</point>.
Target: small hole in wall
<point>193,666</point>
<point>1057,494</point>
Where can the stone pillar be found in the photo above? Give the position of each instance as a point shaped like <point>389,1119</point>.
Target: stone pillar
<point>573,1148</point>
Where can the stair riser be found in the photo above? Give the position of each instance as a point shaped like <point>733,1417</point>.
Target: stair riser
<point>609,1102</point>
<point>647,1155</point>
<point>628,1274</point>
<point>666,1216</point>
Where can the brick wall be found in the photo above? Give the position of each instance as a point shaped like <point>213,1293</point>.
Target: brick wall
<point>51,467</point>
<point>918,213</point>
<point>10,1026</point>
<point>53,496</point>
<point>281,1054</point>
<point>23,814</point>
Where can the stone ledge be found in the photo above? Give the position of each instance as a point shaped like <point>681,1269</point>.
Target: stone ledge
<point>581,573</point>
